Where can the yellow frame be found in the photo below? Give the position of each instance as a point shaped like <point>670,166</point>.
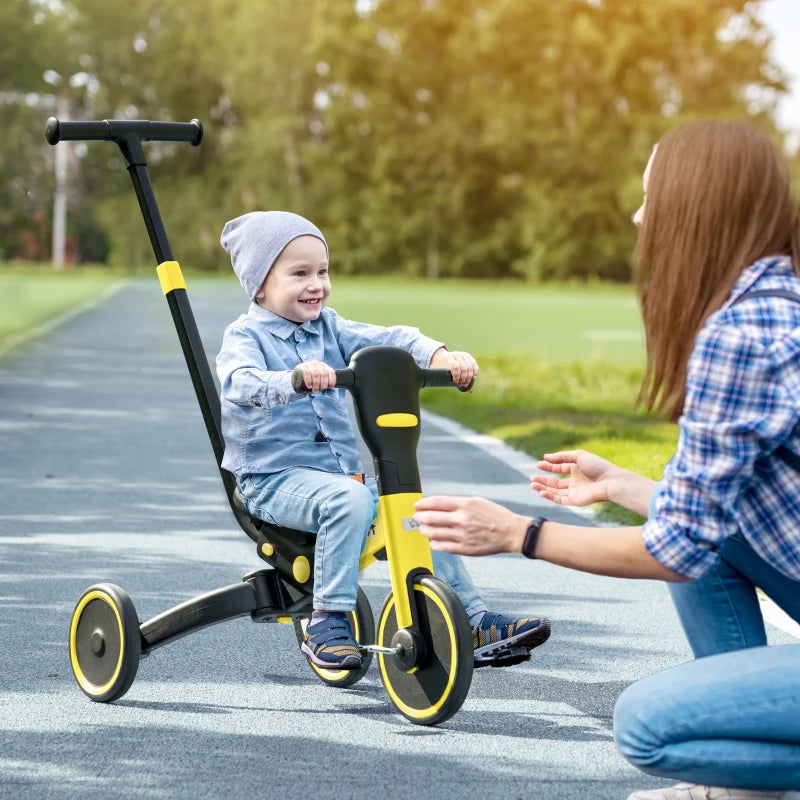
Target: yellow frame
<point>406,548</point>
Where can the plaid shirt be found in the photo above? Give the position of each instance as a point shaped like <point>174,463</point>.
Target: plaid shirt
<point>742,402</point>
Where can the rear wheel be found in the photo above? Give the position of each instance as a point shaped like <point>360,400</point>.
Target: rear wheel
<point>105,643</point>
<point>362,624</point>
<point>434,689</point>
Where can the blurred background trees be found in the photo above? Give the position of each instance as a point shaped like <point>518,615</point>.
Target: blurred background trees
<point>470,138</point>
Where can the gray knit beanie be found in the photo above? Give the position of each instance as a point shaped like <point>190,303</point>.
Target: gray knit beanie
<point>255,241</point>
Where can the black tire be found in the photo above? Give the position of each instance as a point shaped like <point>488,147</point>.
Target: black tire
<point>105,643</point>
<point>436,689</point>
<point>362,623</point>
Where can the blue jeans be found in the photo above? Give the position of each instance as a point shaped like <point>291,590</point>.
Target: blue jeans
<point>720,611</point>
<point>340,511</point>
<point>727,720</point>
<point>732,717</point>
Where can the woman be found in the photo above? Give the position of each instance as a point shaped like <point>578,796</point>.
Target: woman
<point>718,223</point>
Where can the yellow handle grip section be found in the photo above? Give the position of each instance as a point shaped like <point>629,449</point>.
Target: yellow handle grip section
<point>170,276</point>
<point>398,420</point>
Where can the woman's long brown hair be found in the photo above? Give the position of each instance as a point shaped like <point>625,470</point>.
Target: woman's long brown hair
<point>718,199</point>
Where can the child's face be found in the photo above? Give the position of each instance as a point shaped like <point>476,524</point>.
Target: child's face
<point>297,286</point>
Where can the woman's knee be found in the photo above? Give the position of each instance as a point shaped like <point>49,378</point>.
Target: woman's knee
<point>634,732</point>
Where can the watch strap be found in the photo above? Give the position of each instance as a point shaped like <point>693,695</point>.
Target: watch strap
<point>532,537</point>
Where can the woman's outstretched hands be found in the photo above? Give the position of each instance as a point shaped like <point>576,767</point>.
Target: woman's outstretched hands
<point>587,478</point>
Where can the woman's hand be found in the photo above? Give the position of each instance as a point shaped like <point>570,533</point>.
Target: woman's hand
<point>588,478</point>
<point>463,367</point>
<point>591,479</point>
<point>318,376</point>
<point>471,526</point>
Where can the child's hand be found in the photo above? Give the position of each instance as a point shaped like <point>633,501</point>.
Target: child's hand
<point>318,376</point>
<point>463,367</point>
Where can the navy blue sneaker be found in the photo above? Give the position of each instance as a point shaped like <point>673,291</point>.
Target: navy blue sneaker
<point>500,634</point>
<point>329,644</point>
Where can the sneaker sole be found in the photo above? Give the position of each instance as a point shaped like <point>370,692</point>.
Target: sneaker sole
<point>347,663</point>
<point>527,639</point>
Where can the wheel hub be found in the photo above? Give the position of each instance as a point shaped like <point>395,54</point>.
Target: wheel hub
<point>98,643</point>
<point>409,646</point>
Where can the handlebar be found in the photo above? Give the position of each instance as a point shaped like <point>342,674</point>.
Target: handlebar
<point>346,378</point>
<point>442,378</point>
<point>119,129</point>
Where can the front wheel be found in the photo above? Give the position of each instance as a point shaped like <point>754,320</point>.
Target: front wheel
<point>434,689</point>
<point>105,643</point>
<point>362,623</point>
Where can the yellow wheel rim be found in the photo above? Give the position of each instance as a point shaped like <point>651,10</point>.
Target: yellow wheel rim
<point>420,713</point>
<point>89,687</point>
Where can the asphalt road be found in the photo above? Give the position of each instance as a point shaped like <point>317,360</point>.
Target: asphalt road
<point>107,475</point>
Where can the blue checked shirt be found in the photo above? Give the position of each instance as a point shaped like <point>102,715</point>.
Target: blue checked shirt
<point>266,425</point>
<point>742,402</point>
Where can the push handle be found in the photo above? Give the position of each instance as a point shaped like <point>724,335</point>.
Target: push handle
<point>119,129</point>
<point>345,379</point>
<point>439,378</point>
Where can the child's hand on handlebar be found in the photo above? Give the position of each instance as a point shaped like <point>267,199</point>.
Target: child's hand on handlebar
<point>463,367</point>
<point>318,376</point>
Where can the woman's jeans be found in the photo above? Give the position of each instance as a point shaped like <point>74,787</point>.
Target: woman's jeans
<point>726,720</point>
<point>732,717</point>
<point>721,612</point>
<point>340,511</point>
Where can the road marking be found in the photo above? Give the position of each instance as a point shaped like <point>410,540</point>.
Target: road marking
<point>778,617</point>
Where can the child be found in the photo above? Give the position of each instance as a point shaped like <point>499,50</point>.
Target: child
<point>293,455</point>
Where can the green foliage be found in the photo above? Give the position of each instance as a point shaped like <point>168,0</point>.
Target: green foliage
<point>435,138</point>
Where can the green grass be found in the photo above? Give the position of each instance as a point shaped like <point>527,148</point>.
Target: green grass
<point>549,323</point>
<point>31,296</point>
<point>560,365</point>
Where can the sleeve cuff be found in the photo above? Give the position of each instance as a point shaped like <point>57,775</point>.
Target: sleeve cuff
<point>280,391</point>
<point>423,351</point>
<point>670,546</point>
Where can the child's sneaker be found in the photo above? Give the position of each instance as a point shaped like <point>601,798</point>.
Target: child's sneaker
<point>497,634</point>
<point>329,644</point>
<point>693,791</point>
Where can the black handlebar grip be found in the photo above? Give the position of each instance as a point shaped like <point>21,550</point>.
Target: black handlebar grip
<point>117,129</point>
<point>442,378</point>
<point>345,379</point>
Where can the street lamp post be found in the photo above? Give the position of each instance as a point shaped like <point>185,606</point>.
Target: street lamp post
<point>60,198</point>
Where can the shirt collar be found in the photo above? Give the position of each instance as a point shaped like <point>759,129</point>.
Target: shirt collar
<point>774,266</point>
<point>278,326</point>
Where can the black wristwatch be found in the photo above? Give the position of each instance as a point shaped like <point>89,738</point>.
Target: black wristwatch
<point>532,537</point>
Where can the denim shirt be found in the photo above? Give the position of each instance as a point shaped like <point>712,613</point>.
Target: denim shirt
<point>267,426</point>
<point>742,403</point>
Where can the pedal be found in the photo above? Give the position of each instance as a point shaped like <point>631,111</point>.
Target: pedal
<point>504,658</point>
